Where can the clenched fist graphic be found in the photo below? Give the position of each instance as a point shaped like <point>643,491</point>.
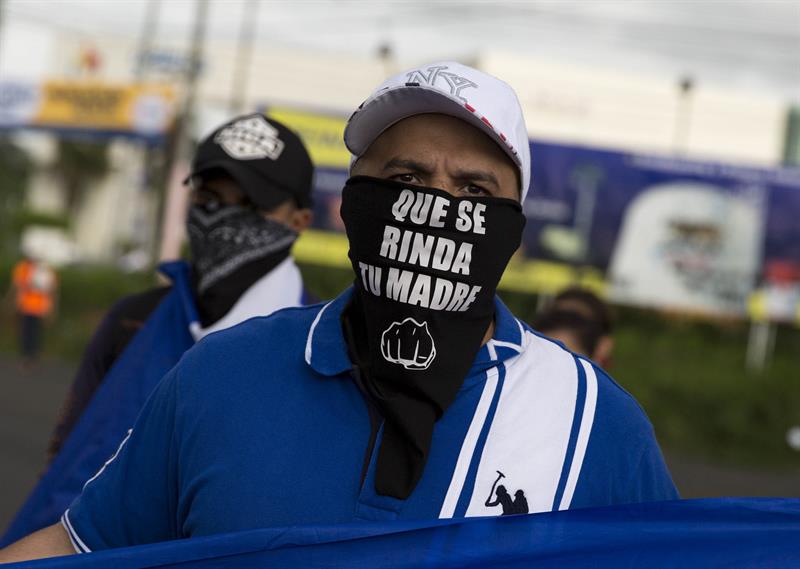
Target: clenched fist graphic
<point>409,344</point>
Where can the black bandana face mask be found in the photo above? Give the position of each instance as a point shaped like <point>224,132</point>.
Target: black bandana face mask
<point>232,246</point>
<point>427,266</point>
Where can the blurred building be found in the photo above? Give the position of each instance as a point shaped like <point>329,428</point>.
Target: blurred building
<point>608,108</point>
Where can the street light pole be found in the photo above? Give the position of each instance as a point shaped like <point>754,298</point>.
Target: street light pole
<point>173,211</point>
<point>244,51</point>
<point>2,2</point>
<point>683,115</point>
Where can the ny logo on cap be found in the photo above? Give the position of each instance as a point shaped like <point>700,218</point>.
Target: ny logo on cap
<point>455,83</point>
<point>250,139</point>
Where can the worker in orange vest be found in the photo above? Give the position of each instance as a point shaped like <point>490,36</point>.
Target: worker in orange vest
<point>35,291</point>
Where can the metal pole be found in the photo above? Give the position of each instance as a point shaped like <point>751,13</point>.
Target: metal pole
<point>2,2</point>
<point>146,35</point>
<point>171,229</point>
<point>244,52</point>
<point>683,114</point>
<point>153,157</point>
<point>760,342</point>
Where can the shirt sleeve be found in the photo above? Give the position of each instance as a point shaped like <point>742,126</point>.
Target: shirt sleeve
<point>132,499</point>
<point>651,479</point>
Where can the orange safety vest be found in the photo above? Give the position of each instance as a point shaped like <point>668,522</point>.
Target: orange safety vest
<point>35,284</point>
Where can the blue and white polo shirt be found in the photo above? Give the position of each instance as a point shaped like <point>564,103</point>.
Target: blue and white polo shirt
<point>262,425</point>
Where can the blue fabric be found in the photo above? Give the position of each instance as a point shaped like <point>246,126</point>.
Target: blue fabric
<point>733,533</point>
<point>245,434</point>
<point>155,349</point>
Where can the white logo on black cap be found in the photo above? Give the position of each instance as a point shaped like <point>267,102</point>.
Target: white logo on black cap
<point>250,139</point>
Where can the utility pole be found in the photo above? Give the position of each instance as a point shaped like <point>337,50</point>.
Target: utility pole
<point>244,52</point>
<point>172,212</point>
<point>146,35</point>
<point>683,115</point>
<point>2,2</point>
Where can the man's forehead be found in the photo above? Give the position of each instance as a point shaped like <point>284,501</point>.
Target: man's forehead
<point>434,131</point>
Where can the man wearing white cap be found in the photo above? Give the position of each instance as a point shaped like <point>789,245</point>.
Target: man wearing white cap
<point>415,394</point>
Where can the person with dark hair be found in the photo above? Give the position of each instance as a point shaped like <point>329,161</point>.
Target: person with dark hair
<point>251,185</point>
<point>580,320</point>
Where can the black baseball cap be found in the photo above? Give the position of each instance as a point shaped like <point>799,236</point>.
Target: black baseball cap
<point>264,157</point>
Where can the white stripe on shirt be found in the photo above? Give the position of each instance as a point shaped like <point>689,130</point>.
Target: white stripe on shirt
<point>587,420</point>
<point>531,428</point>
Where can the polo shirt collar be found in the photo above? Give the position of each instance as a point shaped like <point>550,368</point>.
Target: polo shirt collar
<point>326,350</point>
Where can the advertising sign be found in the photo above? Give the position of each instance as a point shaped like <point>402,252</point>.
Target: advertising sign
<point>666,232</point>
<point>136,110</point>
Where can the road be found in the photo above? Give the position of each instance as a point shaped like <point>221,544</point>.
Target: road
<point>29,405</point>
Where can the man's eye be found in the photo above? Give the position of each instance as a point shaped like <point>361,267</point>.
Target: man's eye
<point>475,190</point>
<point>405,178</point>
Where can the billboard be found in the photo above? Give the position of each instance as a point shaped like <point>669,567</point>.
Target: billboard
<point>135,110</point>
<point>666,232</point>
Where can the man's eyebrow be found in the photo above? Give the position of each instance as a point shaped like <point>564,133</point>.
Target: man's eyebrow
<point>477,176</point>
<point>407,164</point>
<point>415,166</point>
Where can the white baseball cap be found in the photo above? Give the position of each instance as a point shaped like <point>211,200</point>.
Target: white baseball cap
<point>447,88</point>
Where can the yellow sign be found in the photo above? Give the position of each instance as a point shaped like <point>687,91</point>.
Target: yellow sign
<point>140,109</point>
<point>322,135</point>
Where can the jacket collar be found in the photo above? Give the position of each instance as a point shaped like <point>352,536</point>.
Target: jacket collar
<point>180,273</point>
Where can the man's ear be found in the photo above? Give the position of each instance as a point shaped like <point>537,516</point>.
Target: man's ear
<point>602,352</point>
<point>300,219</point>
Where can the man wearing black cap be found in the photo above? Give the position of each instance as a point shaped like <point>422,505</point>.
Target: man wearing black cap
<point>251,185</point>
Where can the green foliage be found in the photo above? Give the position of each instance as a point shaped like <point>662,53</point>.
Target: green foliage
<point>326,282</point>
<point>16,167</point>
<point>690,377</point>
<point>78,164</point>
<point>24,217</point>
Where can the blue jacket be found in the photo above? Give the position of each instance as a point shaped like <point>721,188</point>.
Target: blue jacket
<point>153,351</point>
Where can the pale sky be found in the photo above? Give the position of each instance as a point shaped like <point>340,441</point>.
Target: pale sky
<point>747,45</point>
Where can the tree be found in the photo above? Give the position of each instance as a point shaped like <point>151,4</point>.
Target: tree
<point>78,164</point>
<point>16,168</point>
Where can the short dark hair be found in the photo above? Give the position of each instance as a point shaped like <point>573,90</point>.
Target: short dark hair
<point>589,304</point>
<point>587,331</point>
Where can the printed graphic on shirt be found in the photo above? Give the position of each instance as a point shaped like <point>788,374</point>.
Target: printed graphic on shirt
<point>252,138</point>
<point>409,344</point>
<point>499,496</point>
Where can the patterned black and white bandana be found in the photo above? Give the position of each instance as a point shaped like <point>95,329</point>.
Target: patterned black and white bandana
<point>226,239</point>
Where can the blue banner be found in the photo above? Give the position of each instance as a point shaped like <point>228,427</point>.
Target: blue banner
<point>692,533</point>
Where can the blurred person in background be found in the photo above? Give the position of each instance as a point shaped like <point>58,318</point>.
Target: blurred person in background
<point>409,396</point>
<point>251,185</point>
<point>580,320</point>
<point>34,287</point>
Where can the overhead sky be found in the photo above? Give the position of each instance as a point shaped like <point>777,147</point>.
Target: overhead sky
<point>747,45</point>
